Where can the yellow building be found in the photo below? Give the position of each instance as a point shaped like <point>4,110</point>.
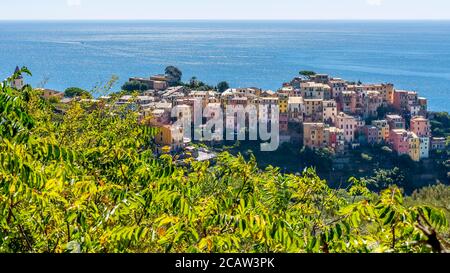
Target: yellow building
<point>383,129</point>
<point>170,136</point>
<point>283,103</point>
<point>313,110</point>
<point>414,146</point>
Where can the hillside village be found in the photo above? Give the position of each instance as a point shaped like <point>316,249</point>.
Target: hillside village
<point>316,110</point>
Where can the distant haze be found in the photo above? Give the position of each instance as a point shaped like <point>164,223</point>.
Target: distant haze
<point>225,9</point>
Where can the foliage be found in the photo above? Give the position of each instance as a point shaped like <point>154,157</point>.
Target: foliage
<point>307,73</point>
<point>386,178</point>
<point>87,181</point>
<point>222,86</point>
<point>321,158</point>
<point>440,124</point>
<point>366,157</point>
<point>174,75</point>
<point>384,110</point>
<point>196,84</point>
<point>135,86</point>
<point>72,92</point>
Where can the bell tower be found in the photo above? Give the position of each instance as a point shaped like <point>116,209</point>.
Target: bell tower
<point>18,82</point>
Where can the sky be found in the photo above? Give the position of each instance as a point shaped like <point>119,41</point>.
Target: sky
<point>225,9</point>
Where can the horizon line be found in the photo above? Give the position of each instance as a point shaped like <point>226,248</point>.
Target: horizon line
<point>229,19</point>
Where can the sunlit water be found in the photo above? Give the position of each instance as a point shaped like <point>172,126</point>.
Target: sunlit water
<point>413,55</point>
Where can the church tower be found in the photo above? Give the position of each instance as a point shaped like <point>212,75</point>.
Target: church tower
<point>18,82</point>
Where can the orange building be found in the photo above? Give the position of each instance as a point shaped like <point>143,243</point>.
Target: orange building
<point>313,135</point>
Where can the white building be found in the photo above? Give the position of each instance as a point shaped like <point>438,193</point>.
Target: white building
<point>424,147</point>
<point>312,90</point>
<point>349,125</point>
<point>296,108</point>
<point>330,111</point>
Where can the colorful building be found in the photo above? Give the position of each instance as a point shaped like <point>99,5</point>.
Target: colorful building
<point>371,134</point>
<point>414,146</point>
<point>313,135</point>
<point>313,110</point>
<point>170,136</point>
<point>349,125</point>
<point>296,109</point>
<point>438,144</point>
<point>320,78</point>
<point>348,101</point>
<point>383,130</point>
<point>395,122</point>
<point>420,126</point>
<point>404,100</point>
<point>330,111</point>
<point>399,141</point>
<point>370,102</point>
<point>424,147</point>
<point>423,102</point>
<point>334,138</point>
<point>283,103</point>
<point>313,90</point>
<point>337,85</point>
<point>284,122</point>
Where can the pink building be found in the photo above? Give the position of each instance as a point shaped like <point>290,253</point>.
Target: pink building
<point>284,119</point>
<point>335,139</point>
<point>348,101</point>
<point>349,125</point>
<point>371,134</point>
<point>405,100</point>
<point>337,86</point>
<point>400,99</point>
<point>395,122</point>
<point>423,102</point>
<point>399,141</point>
<point>420,126</point>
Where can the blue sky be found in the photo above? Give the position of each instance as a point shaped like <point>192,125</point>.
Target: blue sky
<point>225,9</point>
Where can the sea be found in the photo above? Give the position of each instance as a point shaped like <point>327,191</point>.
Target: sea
<point>413,55</point>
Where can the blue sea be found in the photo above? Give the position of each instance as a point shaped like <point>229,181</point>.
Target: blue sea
<point>413,54</point>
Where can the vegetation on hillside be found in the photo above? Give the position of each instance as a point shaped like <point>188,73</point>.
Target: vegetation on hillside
<point>132,86</point>
<point>87,181</point>
<point>72,92</point>
<point>440,124</point>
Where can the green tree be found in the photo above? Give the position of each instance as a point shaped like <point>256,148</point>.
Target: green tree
<point>307,74</point>
<point>174,75</point>
<point>382,111</point>
<point>196,84</point>
<point>135,86</point>
<point>440,124</point>
<point>88,181</point>
<point>72,92</point>
<point>386,178</point>
<point>222,86</point>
